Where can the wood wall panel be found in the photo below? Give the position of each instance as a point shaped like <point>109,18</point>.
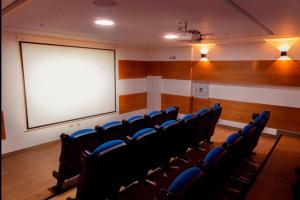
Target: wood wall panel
<point>184,103</point>
<point>132,102</point>
<point>200,103</point>
<point>129,69</point>
<point>176,70</point>
<point>153,68</point>
<point>279,72</point>
<point>3,135</point>
<point>285,118</point>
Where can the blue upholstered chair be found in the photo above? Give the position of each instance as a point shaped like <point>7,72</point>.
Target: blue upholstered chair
<point>170,113</point>
<point>190,123</point>
<point>216,166</point>
<point>145,148</point>
<point>154,118</point>
<point>234,144</point>
<point>104,171</point>
<point>188,185</point>
<point>203,127</point>
<point>71,148</point>
<point>135,124</point>
<point>249,133</point>
<point>260,121</point>
<point>172,145</point>
<point>113,130</point>
<point>216,111</point>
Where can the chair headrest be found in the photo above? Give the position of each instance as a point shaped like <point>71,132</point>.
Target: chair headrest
<point>184,178</point>
<point>187,117</point>
<point>168,123</point>
<point>81,132</point>
<point>230,139</point>
<point>213,153</point>
<point>216,106</point>
<point>154,113</point>
<point>107,146</point>
<point>247,129</point>
<point>170,109</point>
<point>111,124</point>
<point>135,118</point>
<point>142,133</point>
<point>201,111</point>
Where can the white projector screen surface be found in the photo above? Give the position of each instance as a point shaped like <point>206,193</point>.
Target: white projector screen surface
<point>64,83</point>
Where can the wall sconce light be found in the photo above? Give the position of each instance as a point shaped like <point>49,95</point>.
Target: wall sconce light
<point>204,48</point>
<point>283,45</point>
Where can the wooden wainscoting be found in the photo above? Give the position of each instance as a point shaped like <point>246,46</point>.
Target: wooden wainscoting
<point>153,68</point>
<point>131,69</point>
<point>282,117</point>
<point>262,72</point>
<point>180,70</point>
<point>183,102</point>
<point>132,102</point>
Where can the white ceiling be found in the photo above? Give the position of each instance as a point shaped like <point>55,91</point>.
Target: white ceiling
<point>144,22</point>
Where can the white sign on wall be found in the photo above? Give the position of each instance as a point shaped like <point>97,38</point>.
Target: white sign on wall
<point>200,90</point>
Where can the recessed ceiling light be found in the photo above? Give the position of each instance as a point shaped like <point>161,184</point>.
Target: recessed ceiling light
<point>170,36</point>
<point>104,22</point>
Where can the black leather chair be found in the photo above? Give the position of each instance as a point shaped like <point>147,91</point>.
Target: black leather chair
<point>104,171</point>
<point>170,113</point>
<point>203,127</point>
<point>216,111</point>
<point>113,130</point>
<point>71,148</point>
<point>135,124</point>
<point>155,118</point>
<point>188,185</point>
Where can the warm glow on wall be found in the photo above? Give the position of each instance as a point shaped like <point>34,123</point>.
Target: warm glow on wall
<point>204,49</point>
<point>283,45</point>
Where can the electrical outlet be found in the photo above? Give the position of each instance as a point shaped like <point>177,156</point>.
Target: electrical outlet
<point>172,57</point>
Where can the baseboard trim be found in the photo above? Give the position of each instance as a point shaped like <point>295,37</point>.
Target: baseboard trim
<point>29,149</point>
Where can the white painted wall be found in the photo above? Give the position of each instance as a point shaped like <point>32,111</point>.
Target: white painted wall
<point>13,106</point>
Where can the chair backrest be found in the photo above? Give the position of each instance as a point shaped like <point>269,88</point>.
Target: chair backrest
<point>172,134</point>
<point>249,133</point>
<point>135,124</point>
<point>235,144</point>
<point>260,121</point>
<point>112,131</point>
<point>190,123</point>
<point>154,118</point>
<point>204,117</point>
<point>103,172</point>
<point>216,110</point>
<point>170,113</point>
<point>188,185</point>
<point>145,150</point>
<point>215,162</point>
<point>71,148</point>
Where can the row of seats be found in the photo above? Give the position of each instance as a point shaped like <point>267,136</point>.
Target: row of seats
<point>204,180</point>
<point>89,139</point>
<point>118,163</point>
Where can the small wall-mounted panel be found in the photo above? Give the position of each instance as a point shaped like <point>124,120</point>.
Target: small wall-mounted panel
<point>200,90</point>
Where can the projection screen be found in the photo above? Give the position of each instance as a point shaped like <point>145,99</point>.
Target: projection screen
<point>64,83</point>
